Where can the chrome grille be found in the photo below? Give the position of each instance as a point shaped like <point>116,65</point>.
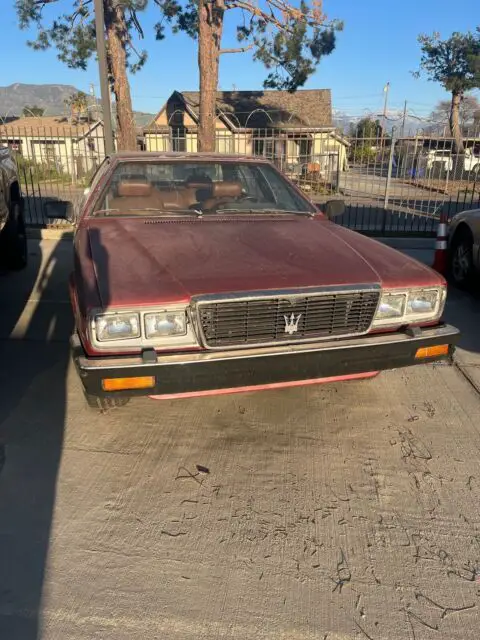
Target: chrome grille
<point>291,318</point>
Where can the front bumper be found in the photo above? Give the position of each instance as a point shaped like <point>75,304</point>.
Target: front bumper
<point>200,372</point>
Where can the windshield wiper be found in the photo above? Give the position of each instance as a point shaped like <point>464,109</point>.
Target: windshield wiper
<point>267,211</point>
<point>168,212</point>
<point>104,211</point>
<point>194,212</point>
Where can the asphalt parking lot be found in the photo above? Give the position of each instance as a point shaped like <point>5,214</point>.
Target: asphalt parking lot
<point>327,512</point>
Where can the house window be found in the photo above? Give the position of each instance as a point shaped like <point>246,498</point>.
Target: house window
<point>305,149</point>
<point>223,143</point>
<point>48,154</point>
<point>179,139</point>
<point>176,117</point>
<point>270,148</point>
<point>264,147</point>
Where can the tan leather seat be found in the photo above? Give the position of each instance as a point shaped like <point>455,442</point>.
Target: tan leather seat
<point>133,195</point>
<point>220,193</point>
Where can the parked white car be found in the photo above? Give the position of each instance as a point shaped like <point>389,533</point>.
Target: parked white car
<point>443,158</point>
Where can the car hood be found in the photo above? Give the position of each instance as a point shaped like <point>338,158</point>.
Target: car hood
<point>140,262</point>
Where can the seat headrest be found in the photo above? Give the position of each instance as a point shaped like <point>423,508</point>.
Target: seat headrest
<point>226,190</point>
<point>135,188</point>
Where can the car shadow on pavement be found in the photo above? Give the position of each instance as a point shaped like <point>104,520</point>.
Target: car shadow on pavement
<point>35,322</point>
<point>463,311</point>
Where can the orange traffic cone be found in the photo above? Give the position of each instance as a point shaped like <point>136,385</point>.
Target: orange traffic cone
<point>440,259</point>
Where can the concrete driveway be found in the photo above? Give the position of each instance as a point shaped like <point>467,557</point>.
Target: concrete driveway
<point>331,512</point>
<point>371,182</point>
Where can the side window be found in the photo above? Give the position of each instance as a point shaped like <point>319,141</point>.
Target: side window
<point>284,196</point>
<point>253,184</point>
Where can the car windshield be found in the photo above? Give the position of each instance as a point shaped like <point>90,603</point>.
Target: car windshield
<point>151,188</point>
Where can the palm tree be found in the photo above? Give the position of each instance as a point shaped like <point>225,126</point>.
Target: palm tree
<point>78,103</point>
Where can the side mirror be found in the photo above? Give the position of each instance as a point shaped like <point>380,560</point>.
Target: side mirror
<point>334,208</point>
<point>59,210</point>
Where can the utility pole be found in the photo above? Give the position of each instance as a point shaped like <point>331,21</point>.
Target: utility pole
<point>93,108</point>
<point>386,89</point>
<point>404,118</point>
<point>103,73</point>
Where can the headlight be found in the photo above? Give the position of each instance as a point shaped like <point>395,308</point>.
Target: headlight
<point>117,326</point>
<point>165,323</point>
<point>407,307</point>
<point>423,302</point>
<point>391,307</point>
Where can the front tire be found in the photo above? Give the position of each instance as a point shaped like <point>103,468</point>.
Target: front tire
<point>14,249</point>
<point>461,266</point>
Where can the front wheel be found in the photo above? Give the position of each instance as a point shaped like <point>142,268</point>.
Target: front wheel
<point>14,240</point>
<point>461,261</point>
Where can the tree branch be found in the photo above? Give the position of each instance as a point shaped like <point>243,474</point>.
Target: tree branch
<point>238,49</point>
<point>255,11</point>
<point>78,12</point>
<point>138,27</point>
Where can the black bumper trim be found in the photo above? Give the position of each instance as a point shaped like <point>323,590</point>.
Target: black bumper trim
<point>206,371</point>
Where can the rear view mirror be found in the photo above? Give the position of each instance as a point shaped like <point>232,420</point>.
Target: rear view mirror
<point>334,208</point>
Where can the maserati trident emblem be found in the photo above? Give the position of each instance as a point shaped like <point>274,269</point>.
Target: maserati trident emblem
<point>291,323</point>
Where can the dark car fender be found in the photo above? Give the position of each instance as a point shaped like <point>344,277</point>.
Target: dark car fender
<point>467,220</point>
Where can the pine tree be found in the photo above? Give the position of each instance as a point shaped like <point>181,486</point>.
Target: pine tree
<point>288,40</point>
<point>73,35</point>
<point>454,63</point>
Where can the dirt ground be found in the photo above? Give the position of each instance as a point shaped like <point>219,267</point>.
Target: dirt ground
<point>331,512</point>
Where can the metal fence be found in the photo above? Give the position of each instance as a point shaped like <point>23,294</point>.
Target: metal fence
<point>56,159</point>
<point>391,184</point>
<point>402,185</point>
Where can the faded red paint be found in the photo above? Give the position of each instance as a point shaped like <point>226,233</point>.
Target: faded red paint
<point>135,261</point>
<point>138,264</point>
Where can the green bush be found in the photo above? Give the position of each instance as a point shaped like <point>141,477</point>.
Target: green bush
<point>85,180</point>
<point>363,155</point>
<point>31,171</point>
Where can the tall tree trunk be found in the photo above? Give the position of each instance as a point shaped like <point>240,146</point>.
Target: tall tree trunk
<point>117,35</point>
<point>210,18</point>
<point>455,128</point>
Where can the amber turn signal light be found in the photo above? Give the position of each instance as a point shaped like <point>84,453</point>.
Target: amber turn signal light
<point>432,352</point>
<point>119,384</point>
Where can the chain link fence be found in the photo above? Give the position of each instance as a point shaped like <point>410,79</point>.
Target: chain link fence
<point>391,184</point>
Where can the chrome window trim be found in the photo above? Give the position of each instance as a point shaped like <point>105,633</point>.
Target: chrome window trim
<point>247,296</point>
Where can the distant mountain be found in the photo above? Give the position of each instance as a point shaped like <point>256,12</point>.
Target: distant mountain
<point>50,97</point>
<point>345,122</point>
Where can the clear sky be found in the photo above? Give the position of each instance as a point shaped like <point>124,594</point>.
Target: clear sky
<point>378,45</point>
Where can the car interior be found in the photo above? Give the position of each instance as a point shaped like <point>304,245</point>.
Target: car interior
<point>176,187</point>
<point>131,195</point>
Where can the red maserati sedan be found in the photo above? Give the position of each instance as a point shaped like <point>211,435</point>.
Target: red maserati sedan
<point>205,274</point>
